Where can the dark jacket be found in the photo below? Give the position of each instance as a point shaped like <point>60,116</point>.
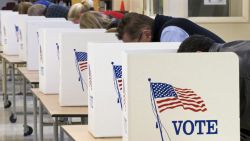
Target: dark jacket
<point>242,49</point>
<point>188,26</point>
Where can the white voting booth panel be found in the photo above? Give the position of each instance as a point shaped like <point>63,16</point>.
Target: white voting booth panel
<point>22,24</point>
<point>33,45</point>
<point>12,34</point>
<point>181,97</point>
<point>105,107</point>
<point>1,39</point>
<point>73,90</point>
<point>49,57</point>
<point>8,28</point>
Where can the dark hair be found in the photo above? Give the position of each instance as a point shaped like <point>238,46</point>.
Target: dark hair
<point>196,43</point>
<point>132,23</point>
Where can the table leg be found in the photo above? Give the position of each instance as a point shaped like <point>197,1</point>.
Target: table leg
<point>24,106</point>
<point>61,134</point>
<point>41,120</point>
<point>7,103</point>
<point>13,116</point>
<point>35,117</point>
<point>55,125</point>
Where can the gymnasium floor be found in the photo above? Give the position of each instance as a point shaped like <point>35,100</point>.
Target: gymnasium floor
<point>14,131</point>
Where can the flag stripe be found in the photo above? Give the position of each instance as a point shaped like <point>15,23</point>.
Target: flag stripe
<point>196,110</point>
<point>162,110</point>
<point>165,100</point>
<point>168,104</point>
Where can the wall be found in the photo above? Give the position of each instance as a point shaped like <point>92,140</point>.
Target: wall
<point>228,31</point>
<point>231,31</point>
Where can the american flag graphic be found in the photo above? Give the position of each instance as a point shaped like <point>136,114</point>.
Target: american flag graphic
<point>17,33</point>
<point>81,58</point>
<point>40,48</point>
<point>90,78</point>
<point>168,97</point>
<point>117,74</point>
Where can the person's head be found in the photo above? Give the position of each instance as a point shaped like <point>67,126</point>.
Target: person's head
<point>56,11</point>
<point>77,9</point>
<point>94,19</point>
<point>196,43</point>
<point>135,27</point>
<point>37,10</point>
<point>23,7</point>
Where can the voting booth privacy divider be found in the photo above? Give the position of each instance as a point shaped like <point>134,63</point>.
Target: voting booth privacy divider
<point>32,39</point>
<point>73,89</point>
<point>105,84</point>
<point>22,24</point>
<point>49,57</point>
<point>8,27</point>
<point>1,37</point>
<point>1,32</point>
<point>181,97</point>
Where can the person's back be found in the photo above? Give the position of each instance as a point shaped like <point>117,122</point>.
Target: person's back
<point>199,43</point>
<point>162,22</point>
<point>56,11</point>
<point>136,27</point>
<point>242,49</point>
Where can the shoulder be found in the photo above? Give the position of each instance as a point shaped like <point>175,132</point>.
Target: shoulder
<point>173,33</point>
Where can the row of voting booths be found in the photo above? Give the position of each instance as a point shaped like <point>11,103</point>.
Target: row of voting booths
<point>138,91</point>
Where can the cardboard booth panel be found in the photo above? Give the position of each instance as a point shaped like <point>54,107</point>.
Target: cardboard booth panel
<point>73,89</point>
<point>8,28</point>
<point>105,84</point>
<point>13,35</point>
<point>32,39</point>
<point>22,24</point>
<point>2,11</point>
<point>179,97</point>
<point>49,57</point>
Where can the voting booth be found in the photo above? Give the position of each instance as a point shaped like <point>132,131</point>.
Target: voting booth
<point>9,39</point>
<point>105,84</point>
<point>181,97</point>
<point>73,89</point>
<point>22,24</point>
<point>49,57</point>
<point>1,37</point>
<point>12,34</point>
<point>32,38</point>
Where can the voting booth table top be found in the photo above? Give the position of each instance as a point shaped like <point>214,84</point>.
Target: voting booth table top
<point>105,84</point>
<point>181,97</point>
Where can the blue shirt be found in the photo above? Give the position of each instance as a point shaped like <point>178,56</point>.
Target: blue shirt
<point>43,2</point>
<point>173,34</point>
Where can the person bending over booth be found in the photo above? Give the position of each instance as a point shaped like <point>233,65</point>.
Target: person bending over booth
<point>77,10</point>
<point>198,43</point>
<point>37,10</point>
<point>140,28</point>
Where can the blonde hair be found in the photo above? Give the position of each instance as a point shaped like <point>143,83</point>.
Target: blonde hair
<point>23,7</point>
<point>94,19</point>
<point>37,10</point>
<point>77,9</point>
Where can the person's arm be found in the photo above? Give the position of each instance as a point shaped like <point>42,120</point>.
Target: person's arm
<point>173,34</point>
